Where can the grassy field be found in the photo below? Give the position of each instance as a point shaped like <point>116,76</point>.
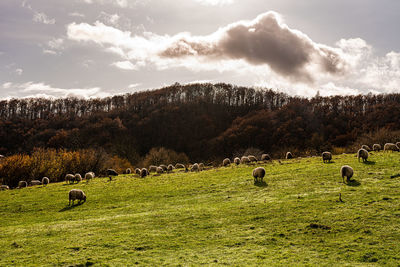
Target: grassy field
<point>215,217</point>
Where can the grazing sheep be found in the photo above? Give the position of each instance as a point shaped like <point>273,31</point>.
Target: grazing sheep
<point>179,166</point>
<point>366,147</point>
<point>258,174</point>
<point>69,178</point>
<point>76,194</point>
<point>252,158</point>
<point>390,146</point>
<point>164,167</point>
<point>144,172</point>
<point>89,176</point>
<point>77,178</point>
<point>226,162</point>
<point>289,155</point>
<point>159,170</point>
<point>137,171</point>
<point>201,166</point>
<point>45,181</point>
<point>112,172</point>
<point>265,157</point>
<point>362,153</point>
<point>195,167</point>
<point>128,171</point>
<point>398,144</point>
<point>4,187</point>
<point>22,184</point>
<point>152,168</point>
<point>170,168</point>
<point>376,147</point>
<point>35,182</point>
<point>326,156</point>
<point>244,160</point>
<point>346,171</point>
<point>236,161</point>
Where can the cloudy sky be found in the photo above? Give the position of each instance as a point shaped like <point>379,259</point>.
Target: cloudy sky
<point>96,48</point>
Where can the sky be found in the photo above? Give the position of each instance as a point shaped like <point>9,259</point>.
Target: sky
<point>99,48</point>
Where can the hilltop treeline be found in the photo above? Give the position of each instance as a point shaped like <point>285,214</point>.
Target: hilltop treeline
<point>204,121</point>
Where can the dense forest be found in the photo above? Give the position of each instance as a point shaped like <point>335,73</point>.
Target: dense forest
<point>203,121</point>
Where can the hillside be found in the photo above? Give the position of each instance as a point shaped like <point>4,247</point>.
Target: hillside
<point>203,121</point>
<point>213,217</point>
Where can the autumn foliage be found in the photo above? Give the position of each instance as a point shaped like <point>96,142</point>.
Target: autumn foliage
<point>55,164</point>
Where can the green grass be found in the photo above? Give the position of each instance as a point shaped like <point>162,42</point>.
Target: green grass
<point>215,217</point>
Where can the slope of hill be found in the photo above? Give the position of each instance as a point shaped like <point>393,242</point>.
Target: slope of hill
<point>216,216</point>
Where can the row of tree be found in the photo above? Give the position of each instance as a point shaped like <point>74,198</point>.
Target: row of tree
<point>204,121</point>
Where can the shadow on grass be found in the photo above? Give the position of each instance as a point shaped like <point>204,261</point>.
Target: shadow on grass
<point>70,207</point>
<point>329,162</point>
<point>260,183</point>
<point>369,162</point>
<point>353,183</point>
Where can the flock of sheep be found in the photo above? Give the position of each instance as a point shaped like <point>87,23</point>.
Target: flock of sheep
<point>258,173</point>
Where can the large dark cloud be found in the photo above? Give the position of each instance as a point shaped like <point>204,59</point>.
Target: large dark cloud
<point>265,40</point>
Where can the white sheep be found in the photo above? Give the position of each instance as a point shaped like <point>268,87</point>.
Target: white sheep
<point>159,170</point>
<point>144,172</point>
<point>326,156</point>
<point>265,157</point>
<point>76,194</point>
<point>22,184</point>
<point>236,161</point>
<point>179,166</point>
<point>69,178</point>
<point>258,174</point>
<point>289,155</point>
<point>45,181</point>
<point>164,167</point>
<point>170,168</point>
<point>89,176</point>
<point>226,162</point>
<point>244,160</point>
<point>390,146</point>
<point>195,167</point>
<point>4,187</point>
<point>35,182</point>
<point>77,178</point>
<point>201,166</point>
<point>137,171</point>
<point>362,153</point>
<point>252,158</point>
<point>128,171</point>
<point>346,171</point>
<point>152,168</point>
<point>377,147</point>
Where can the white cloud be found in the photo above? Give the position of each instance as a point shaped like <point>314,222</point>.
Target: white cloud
<point>134,85</point>
<point>32,89</point>
<point>215,2</point>
<point>265,42</point>
<point>120,3</point>
<point>76,14</point>
<point>19,71</point>
<point>125,65</point>
<point>350,67</point>
<point>111,19</point>
<point>54,46</point>
<point>42,18</point>
<point>7,85</point>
